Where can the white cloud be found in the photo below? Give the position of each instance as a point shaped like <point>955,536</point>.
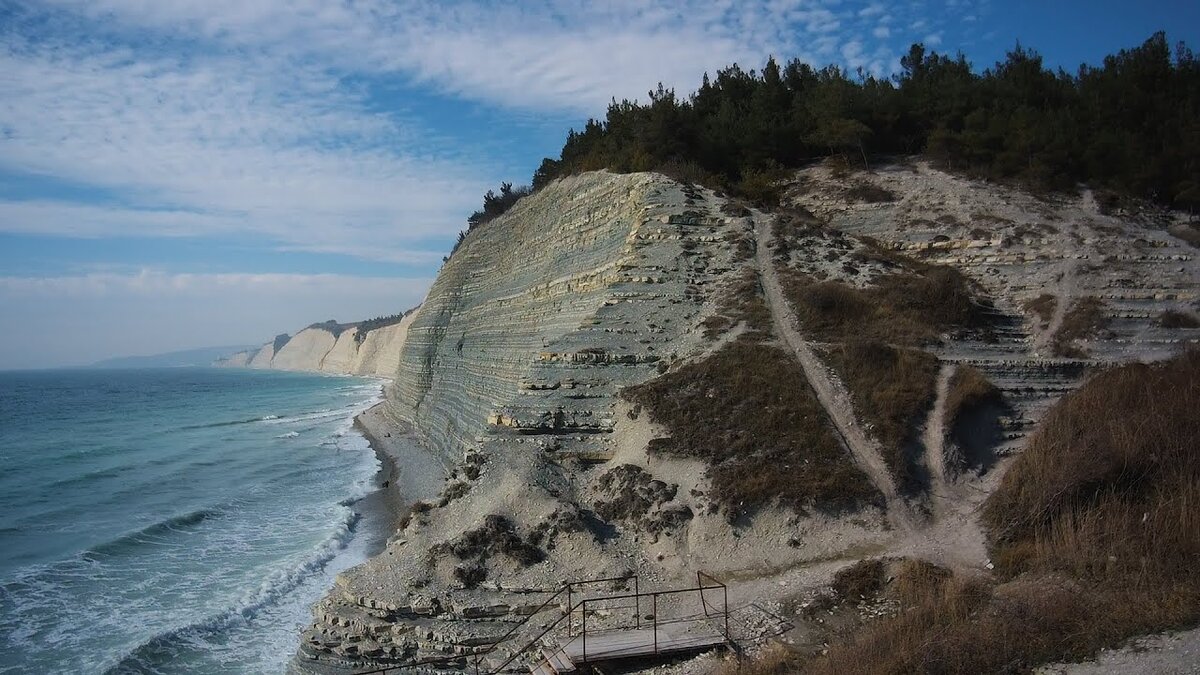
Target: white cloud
<point>873,9</point>
<point>881,32</point>
<point>557,54</point>
<point>225,116</point>
<point>219,145</point>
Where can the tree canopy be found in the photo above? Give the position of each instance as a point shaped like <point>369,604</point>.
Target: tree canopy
<point>1131,125</point>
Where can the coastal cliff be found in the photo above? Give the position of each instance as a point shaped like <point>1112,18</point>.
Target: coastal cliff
<point>511,373</point>
<point>332,349</point>
<point>556,354</point>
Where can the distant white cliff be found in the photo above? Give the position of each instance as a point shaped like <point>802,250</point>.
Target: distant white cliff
<point>330,348</point>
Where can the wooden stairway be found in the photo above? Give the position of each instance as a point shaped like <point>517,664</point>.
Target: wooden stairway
<point>554,661</point>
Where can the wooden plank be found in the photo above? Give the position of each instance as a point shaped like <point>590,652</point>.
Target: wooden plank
<point>558,660</point>
<point>634,643</point>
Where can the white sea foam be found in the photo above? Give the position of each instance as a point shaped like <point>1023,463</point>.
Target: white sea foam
<point>286,528</point>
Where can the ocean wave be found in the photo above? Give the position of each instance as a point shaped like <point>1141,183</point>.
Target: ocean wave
<point>89,477</point>
<point>225,423</point>
<point>308,416</point>
<point>151,533</point>
<point>165,646</point>
<point>290,434</point>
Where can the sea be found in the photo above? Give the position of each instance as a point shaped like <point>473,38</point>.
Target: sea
<point>175,520</point>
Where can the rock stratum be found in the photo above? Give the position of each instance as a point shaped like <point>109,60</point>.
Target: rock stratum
<point>511,372</point>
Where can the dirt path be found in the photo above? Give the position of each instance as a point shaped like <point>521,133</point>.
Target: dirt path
<point>934,440</point>
<point>1066,290</point>
<point>830,392</point>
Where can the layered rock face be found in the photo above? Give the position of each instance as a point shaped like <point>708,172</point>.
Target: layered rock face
<point>315,349</point>
<point>1074,287</point>
<point>539,317</point>
<point>511,371</point>
<point>262,358</point>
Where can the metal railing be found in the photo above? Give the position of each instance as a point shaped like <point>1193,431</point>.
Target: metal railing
<point>567,588</point>
<point>571,584</point>
<point>656,620</point>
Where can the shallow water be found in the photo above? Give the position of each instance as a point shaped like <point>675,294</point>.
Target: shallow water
<point>174,520</point>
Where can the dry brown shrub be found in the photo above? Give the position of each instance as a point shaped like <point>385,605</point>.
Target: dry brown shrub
<point>918,580</point>
<point>742,301</point>
<point>859,582</point>
<point>774,659</point>
<point>1043,306</point>
<point>1083,319</point>
<point>892,388</point>
<point>1127,431</point>
<point>862,191</point>
<point>968,390</point>
<point>907,308</point>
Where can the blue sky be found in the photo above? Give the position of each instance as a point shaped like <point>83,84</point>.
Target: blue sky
<point>182,173</point>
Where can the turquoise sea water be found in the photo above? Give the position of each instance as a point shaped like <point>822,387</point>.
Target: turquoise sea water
<point>174,520</point>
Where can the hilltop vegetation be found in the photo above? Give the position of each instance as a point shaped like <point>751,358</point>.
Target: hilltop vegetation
<point>1131,125</point>
<point>369,325</point>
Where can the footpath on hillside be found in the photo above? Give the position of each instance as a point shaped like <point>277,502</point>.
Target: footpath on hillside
<point>831,393</point>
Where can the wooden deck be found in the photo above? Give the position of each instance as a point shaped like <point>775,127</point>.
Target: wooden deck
<point>627,644</point>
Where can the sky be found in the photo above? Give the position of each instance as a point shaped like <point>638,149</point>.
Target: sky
<point>177,174</point>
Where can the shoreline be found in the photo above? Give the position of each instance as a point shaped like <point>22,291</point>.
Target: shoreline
<point>407,473</point>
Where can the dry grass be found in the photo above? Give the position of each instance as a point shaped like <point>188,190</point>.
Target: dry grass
<point>1043,306</point>
<point>742,301</point>
<point>917,580</point>
<point>749,413</point>
<point>969,389</point>
<point>909,308</point>
<point>862,191</point>
<point>1095,531</point>
<point>1084,318</point>
<point>774,659</point>
<point>860,582</point>
<point>1127,437</point>
<point>893,389</point>
<point>874,332</point>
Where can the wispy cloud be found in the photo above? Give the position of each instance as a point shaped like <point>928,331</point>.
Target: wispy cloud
<point>217,144</point>
<point>212,116</point>
<point>560,55</point>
